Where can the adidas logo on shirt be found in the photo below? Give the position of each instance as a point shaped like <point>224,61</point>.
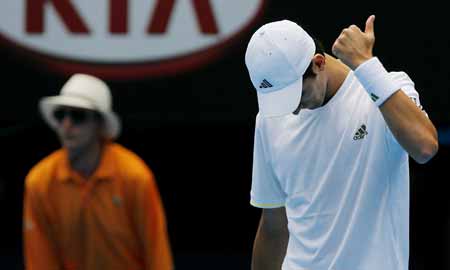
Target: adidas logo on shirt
<point>117,201</point>
<point>265,84</point>
<point>360,133</point>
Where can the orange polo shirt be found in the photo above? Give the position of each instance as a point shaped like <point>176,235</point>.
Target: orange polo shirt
<point>112,220</point>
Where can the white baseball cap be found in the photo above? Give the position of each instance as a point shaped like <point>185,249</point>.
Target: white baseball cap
<point>277,56</point>
<point>86,92</point>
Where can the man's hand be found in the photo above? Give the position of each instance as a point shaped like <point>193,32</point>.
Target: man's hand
<point>353,47</point>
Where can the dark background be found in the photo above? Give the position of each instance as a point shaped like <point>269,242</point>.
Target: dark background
<point>195,130</point>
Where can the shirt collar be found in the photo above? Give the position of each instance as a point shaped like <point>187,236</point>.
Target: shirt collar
<point>105,170</point>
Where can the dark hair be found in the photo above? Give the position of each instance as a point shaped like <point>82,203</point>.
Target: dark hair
<point>319,49</point>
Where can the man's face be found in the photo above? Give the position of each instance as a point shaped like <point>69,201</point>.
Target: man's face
<point>314,90</point>
<point>77,128</point>
<point>314,85</point>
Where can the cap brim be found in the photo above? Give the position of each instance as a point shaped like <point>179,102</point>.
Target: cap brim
<point>282,102</point>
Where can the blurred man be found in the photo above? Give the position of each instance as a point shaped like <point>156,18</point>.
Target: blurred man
<point>92,204</point>
<point>332,140</point>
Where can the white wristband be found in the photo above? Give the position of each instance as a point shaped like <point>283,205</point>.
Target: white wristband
<point>376,80</point>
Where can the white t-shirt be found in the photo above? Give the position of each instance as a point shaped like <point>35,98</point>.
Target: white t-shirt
<point>343,179</point>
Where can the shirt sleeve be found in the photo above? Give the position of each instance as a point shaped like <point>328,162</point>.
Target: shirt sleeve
<point>151,225</point>
<point>39,250</point>
<point>408,87</point>
<point>266,191</point>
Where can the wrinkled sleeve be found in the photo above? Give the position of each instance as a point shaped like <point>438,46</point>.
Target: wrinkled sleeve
<point>39,249</point>
<point>266,191</point>
<point>152,228</point>
<point>408,87</point>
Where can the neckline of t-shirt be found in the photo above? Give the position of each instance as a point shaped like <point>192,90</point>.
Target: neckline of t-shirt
<point>346,84</point>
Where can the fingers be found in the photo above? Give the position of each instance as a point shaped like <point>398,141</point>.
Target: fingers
<point>354,28</point>
<point>368,30</point>
<point>335,48</point>
<point>342,42</point>
<point>354,46</point>
<point>347,35</point>
<point>370,25</point>
<point>353,34</point>
<point>351,29</point>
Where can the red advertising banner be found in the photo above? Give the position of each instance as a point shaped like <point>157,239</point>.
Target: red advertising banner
<point>122,39</point>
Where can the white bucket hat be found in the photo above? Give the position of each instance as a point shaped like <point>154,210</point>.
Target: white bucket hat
<point>277,56</point>
<point>86,92</point>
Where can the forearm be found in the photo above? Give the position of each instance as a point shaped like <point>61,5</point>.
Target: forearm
<point>269,250</point>
<point>410,126</point>
<point>150,220</point>
<point>412,129</point>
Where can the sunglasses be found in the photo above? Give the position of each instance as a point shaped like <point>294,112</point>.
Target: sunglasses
<point>76,116</point>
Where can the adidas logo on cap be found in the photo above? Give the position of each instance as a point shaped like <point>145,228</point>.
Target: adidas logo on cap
<point>265,84</point>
